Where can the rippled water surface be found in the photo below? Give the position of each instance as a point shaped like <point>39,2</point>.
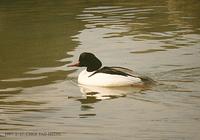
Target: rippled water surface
<point>39,93</point>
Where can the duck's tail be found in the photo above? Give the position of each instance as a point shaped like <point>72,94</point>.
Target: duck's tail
<point>147,80</point>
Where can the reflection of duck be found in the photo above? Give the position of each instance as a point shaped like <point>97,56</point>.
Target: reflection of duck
<point>106,76</point>
<point>94,94</point>
<point>101,93</point>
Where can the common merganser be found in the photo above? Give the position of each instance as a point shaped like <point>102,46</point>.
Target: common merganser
<point>96,75</point>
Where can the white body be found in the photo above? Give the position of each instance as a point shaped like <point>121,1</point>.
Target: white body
<point>107,80</point>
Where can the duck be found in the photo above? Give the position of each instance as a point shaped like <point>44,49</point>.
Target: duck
<point>113,76</point>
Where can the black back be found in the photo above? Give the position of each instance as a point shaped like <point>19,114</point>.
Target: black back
<point>123,72</point>
<point>111,70</point>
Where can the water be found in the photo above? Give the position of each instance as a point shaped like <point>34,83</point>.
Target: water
<point>38,93</point>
